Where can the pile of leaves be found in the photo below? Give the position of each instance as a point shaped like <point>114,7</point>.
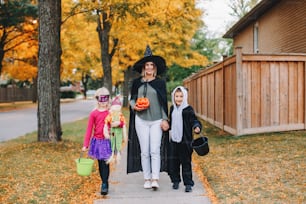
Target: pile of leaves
<point>263,168</point>
<point>33,172</point>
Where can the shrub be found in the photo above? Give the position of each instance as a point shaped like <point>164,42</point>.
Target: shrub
<point>68,94</point>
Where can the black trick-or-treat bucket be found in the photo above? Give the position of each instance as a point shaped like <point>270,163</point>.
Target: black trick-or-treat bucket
<point>200,145</point>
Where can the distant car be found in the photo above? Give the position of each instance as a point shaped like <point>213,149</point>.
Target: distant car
<point>90,93</point>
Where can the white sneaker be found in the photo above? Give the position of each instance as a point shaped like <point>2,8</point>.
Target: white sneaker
<point>147,184</point>
<point>155,184</point>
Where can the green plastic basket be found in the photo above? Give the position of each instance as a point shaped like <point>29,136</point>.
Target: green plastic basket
<point>84,166</point>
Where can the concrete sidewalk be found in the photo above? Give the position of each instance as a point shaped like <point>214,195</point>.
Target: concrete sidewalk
<point>128,189</point>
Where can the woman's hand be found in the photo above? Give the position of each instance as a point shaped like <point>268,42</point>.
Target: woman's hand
<point>137,108</point>
<point>164,125</point>
<point>84,149</point>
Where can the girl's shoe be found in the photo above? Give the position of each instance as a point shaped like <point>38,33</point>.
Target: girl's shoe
<point>155,184</point>
<point>104,189</point>
<point>147,184</point>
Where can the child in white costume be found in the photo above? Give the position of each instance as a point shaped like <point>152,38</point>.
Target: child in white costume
<point>183,122</point>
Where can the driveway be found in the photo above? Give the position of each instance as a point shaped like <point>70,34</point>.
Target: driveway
<point>19,122</point>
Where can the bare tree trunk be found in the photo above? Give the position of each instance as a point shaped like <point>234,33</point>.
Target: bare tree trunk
<point>126,88</point>
<point>85,78</point>
<point>1,53</point>
<point>34,88</point>
<point>129,75</point>
<point>49,124</point>
<point>103,29</point>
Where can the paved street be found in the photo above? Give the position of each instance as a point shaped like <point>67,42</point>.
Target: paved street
<point>19,122</point>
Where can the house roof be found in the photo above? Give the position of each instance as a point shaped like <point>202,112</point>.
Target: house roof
<point>261,8</point>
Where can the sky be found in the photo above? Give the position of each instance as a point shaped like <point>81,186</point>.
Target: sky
<point>216,15</point>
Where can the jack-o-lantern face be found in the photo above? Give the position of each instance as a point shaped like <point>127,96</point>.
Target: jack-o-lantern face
<point>143,102</point>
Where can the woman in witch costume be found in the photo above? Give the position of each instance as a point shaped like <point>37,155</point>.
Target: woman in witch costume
<point>148,136</point>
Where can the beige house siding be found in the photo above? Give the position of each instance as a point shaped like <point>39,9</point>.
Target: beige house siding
<point>270,31</point>
<point>281,30</point>
<point>245,40</point>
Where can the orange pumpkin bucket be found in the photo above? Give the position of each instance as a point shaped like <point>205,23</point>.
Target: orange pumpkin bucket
<point>143,102</point>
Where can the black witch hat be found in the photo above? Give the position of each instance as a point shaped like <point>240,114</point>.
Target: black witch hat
<point>149,57</point>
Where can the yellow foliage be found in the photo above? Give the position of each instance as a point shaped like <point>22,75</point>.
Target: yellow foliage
<point>20,60</point>
<point>80,46</point>
<point>166,25</point>
<point>22,71</point>
<point>168,29</point>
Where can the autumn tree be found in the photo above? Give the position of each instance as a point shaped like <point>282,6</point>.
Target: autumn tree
<point>49,125</point>
<point>126,27</point>
<point>81,50</point>
<point>241,7</point>
<point>18,31</point>
<point>21,63</point>
<point>213,48</point>
<point>106,13</point>
<point>168,27</point>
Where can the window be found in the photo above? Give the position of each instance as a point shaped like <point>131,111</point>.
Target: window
<point>255,38</point>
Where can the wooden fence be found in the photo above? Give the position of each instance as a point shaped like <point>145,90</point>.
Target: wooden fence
<point>14,94</point>
<point>252,93</point>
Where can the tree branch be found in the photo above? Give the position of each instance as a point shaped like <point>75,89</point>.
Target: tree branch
<point>116,41</point>
<point>17,44</point>
<point>73,14</point>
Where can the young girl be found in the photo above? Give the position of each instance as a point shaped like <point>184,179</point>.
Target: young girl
<point>182,122</point>
<point>99,146</point>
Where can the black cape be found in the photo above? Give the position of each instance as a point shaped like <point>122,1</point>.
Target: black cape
<point>133,148</point>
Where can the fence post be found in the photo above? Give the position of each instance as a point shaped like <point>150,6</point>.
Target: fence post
<point>304,95</point>
<point>239,93</point>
